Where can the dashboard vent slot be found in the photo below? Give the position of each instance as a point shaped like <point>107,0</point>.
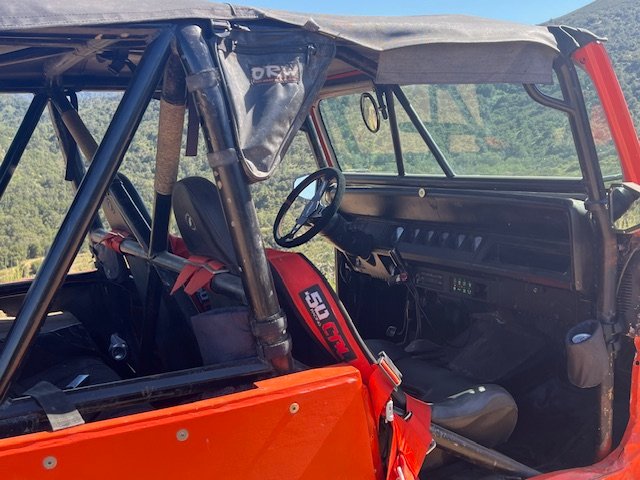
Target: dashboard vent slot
<point>536,259</point>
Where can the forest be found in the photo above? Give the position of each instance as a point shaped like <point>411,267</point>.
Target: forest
<point>38,197</point>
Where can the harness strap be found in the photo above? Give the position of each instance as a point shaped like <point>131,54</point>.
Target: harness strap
<point>113,240</point>
<point>330,326</point>
<point>197,274</point>
<point>60,412</point>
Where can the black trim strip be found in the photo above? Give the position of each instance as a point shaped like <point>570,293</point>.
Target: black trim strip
<point>24,415</point>
<point>515,184</point>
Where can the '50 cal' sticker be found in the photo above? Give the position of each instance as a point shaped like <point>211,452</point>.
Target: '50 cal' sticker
<point>327,323</point>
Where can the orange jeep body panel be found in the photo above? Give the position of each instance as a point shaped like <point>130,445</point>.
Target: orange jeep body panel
<point>314,424</point>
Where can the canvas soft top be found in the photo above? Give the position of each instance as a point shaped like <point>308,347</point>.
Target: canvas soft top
<point>417,49</point>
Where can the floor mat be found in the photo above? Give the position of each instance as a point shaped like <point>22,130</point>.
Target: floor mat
<point>494,349</point>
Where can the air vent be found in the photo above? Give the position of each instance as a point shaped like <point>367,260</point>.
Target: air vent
<point>458,241</point>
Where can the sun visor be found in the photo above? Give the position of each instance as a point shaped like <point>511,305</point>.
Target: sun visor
<point>513,62</point>
<point>272,79</point>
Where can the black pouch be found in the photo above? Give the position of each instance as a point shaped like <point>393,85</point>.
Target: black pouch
<point>587,356</point>
<point>224,335</point>
<point>272,78</point>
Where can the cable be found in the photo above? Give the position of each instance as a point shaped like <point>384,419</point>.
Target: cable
<point>624,267</point>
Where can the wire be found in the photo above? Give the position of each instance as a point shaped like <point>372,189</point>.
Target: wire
<point>624,267</point>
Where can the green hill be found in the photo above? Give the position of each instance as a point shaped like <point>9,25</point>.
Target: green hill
<point>37,198</point>
<point>619,21</point>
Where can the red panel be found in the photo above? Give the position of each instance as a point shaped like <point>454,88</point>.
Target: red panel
<point>593,57</point>
<point>256,434</point>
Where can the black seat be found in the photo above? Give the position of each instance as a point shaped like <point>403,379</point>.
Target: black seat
<point>484,413</point>
<point>63,354</point>
<point>200,218</point>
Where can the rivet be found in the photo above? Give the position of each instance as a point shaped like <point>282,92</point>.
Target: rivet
<point>182,434</point>
<point>294,408</point>
<point>49,462</point>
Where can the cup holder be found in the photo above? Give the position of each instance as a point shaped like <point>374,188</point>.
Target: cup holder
<point>587,356</point>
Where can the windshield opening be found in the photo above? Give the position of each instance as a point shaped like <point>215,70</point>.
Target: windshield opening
<point>493,130</point>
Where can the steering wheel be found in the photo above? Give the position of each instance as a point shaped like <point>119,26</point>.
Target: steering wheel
<point>317,213</point>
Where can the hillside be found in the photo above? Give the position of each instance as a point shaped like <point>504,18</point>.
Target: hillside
<point>37,197</point>
<point>36,200</point>
<point>619,21</point>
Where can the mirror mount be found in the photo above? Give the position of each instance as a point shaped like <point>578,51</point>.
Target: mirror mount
<point>382,104</point>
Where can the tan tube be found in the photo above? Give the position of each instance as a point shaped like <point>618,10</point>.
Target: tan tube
<point>170,126</point>
<point>80,133</point>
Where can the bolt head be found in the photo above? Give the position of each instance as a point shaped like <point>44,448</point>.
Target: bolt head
<point>50,462</point>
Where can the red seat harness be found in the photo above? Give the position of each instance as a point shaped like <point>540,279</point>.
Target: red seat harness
<point>325,318</point>
<point>330,326</point>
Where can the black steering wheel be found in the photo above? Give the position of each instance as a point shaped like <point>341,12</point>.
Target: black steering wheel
<point>318,211</point>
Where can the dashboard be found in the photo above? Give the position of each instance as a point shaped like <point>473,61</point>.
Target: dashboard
<point>511,250</point>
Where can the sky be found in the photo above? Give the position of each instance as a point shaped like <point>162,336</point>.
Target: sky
<point>525,11</point>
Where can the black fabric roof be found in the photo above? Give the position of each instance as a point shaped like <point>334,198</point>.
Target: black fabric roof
<point>417,49</point>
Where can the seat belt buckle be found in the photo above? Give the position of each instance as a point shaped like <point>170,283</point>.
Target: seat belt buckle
<point>389,368</point>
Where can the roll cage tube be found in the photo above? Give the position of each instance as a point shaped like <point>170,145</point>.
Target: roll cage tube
<point>170,124</point>
<point>84,208</point>
<point>596,204</point>
<point>21,139</point>
<point>204,82</point>
<point>594,59</point>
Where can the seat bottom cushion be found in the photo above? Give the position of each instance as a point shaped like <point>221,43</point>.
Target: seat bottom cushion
<point>64,355</point>
<point>486,414</point>
<point>71,373</point>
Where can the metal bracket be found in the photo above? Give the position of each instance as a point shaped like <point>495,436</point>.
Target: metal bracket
<point>389,368</point>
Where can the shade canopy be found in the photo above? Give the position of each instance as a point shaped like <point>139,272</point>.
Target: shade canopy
<point>273,62</point>
<point>416,49</point>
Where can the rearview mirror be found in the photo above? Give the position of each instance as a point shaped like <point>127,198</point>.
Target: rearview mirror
<point>309,192</point>
<point>624,207</point>
<point>370,112</point>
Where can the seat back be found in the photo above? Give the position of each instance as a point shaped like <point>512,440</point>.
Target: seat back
<point>201,221</point>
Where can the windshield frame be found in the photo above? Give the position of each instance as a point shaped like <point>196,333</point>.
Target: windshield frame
<point>573,106</point>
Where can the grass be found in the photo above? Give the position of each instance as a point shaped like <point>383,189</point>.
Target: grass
<point>28,268</point>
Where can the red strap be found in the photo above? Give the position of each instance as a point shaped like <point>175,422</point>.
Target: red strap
<point>322,313</point>
<point>178,247</point>
<point>113,240</point>
<point>409,445</point>
<point>197,274</point>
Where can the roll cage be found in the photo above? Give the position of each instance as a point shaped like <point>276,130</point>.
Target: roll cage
<point>178,55</point>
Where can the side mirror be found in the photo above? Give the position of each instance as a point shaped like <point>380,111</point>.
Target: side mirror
<point>309,192</point>
<point>624,207</point>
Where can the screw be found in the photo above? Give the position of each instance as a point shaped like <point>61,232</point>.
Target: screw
<point>182,434</point>
<point>49,462</point>
<point>294,408</point>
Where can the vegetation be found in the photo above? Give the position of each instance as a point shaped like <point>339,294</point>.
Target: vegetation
<point>38,197</point>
